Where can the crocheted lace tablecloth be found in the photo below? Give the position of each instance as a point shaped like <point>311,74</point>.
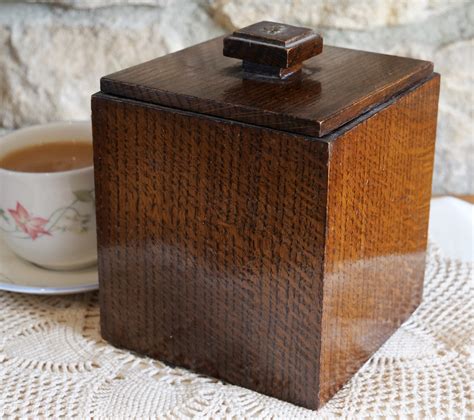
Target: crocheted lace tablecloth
<point>53,363</point>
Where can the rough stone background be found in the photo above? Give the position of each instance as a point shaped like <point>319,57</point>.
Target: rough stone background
<point>52,53</point>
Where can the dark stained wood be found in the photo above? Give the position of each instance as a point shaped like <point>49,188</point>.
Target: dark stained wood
<point>377,222</point>
<point>333,88</point>
<point>465,197</point>
<point>274,261</point>
<point>468,198</point>
<point>255,71</point>
<point>277,48</point>
<point>211,238</point>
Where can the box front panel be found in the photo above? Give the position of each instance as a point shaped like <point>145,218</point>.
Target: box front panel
<point>211,238</point>
<point>378,207</point>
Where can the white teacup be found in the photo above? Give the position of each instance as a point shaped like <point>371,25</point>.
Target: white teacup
<point>48,218</point>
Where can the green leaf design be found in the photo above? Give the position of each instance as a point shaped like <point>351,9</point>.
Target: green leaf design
<point>3,216</point>
<point>85,196</point>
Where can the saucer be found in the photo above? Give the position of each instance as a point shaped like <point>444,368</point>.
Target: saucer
<point>18,275</point>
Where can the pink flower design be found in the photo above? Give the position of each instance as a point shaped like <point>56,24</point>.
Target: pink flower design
<point>32,226</point>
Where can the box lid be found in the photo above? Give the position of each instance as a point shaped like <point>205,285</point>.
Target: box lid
<point>271,87</point>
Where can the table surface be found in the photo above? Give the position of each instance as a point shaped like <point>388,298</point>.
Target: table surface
<point>469,198</point>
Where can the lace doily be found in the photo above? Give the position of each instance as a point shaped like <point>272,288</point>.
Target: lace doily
<point>53,363</point>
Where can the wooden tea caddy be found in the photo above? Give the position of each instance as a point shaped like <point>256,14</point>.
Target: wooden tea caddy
<point>264,223</point>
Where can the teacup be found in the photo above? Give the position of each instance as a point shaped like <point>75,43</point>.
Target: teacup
<point>48,218</point>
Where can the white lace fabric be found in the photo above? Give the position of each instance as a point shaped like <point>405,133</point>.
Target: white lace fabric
<point>53,363</point>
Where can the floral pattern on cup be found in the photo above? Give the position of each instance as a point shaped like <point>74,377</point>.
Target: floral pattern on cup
<point>31,225</point>
<point>22,224</point>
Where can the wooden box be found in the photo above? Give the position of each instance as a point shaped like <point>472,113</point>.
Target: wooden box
<point>264,223</point>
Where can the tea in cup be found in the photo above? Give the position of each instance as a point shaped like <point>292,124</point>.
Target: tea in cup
<point>47,201</point>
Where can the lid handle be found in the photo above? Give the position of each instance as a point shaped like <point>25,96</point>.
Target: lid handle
<point>273,49</point>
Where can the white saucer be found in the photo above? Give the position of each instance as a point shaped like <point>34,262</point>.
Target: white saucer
<point>18,275</point>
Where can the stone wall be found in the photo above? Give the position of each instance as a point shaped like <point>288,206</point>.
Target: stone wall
<point>52,53</point>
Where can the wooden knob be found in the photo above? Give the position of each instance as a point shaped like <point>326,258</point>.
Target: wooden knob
<point>273,49</point>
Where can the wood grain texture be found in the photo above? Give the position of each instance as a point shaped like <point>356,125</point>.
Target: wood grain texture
<point>274,261</point>
<point>273,44</point>
<point>211,238</point>
<point>378,209</point>
<point>334,88</point>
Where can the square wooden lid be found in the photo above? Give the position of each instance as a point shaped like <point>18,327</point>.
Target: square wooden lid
<point>333,87</point>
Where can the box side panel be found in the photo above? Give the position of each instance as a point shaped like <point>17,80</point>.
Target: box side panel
<point>378,206</point>
<point>211,238</point>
